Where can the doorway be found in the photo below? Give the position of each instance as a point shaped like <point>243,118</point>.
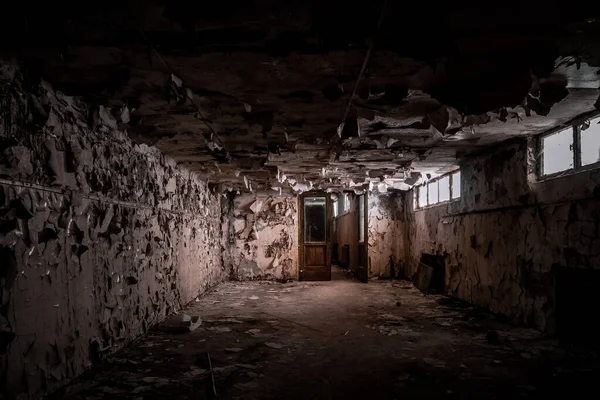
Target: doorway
<point>314,237</point>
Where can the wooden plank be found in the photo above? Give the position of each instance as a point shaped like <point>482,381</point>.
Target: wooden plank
<point>423,279</point>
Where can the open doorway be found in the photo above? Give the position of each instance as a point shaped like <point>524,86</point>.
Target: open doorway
<point>349,235</point>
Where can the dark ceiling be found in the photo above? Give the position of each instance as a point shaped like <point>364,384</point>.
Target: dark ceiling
<point>315,94</point>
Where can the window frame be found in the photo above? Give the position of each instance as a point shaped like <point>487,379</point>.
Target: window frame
<point>425,185</point>
<point>575,127</point>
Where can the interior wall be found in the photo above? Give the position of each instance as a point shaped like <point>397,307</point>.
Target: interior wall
<point>347,231</point>
<point>506,238</point>
<point>100,238</point>
<point>266,237</point>
<point>386,224</point>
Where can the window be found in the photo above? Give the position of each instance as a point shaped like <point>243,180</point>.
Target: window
<point>590,142</point>
<point>558,152</point>
<point>455,185</point>
<point>432,188</point>
<point>346,202</point>
<point>422,196</point>
<point>440,190</point>
<point>571,148</point>
<point>444,188</point>
<point>335,209</point>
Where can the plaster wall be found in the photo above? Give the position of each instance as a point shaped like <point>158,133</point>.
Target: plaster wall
<point>100,238</point>
<point>386,224</point>
<point>265,237</point>
<point>507,235</point>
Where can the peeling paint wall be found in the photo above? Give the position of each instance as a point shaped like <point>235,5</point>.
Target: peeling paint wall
<point>99,238</point>
<point>385,233</point>
<point>265,237</point>
<point>505,238</point>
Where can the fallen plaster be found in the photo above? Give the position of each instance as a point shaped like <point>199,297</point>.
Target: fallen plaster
<point>505,238</point>
<point>100,238</point>
<point>265,237</point>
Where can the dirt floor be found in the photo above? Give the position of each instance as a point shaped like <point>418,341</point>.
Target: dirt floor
<point>338,340</point>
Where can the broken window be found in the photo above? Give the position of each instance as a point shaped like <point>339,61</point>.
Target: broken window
<point>571,148</point>
<point>455,192</point>
<point>590,142</point>
<point>557,151</point>
<point>444,188</point>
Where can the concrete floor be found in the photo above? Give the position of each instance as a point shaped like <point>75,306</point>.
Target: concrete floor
<point>337,340</point>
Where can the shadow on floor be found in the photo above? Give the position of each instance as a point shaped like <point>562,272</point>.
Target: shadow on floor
<point>337,340</point>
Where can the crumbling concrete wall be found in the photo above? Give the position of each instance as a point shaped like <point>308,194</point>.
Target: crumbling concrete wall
<point>385,234</point>
<point>266,237</point>
<point>507,235</point>
<point>99,238</point>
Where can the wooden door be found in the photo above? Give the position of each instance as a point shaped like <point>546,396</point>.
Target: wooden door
<point>315,237</point>
<point>362,272</point>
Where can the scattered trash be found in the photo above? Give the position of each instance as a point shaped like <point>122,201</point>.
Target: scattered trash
<point>346,333</point>
<point>253,297</point>
<point>180,323</point>
<point>398,304</point>
<point>497,362</point>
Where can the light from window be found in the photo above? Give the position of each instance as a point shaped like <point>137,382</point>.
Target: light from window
<point>346,202</point>
<point>456,185</point>
<point>590,143</point>
<point>444,188</point>
<point>335,209</point>
<point>422,196</point>
<point>361,218</point>
<point>558,152</point>
<point>441,190</point>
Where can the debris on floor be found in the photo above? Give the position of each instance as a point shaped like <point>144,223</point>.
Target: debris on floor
<point>180,323</point>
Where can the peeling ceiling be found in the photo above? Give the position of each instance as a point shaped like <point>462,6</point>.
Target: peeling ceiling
<point>289,96</point>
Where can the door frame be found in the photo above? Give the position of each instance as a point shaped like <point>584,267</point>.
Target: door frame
<point>362,271</point>
<point>328,238</point>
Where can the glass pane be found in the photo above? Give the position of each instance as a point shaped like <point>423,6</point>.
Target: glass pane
<point>558,152</point>
<point>315,219</point>
<point>590,143</point>
<point>444,186</point>
<point>456,185</point>
<point>433,192</point>
<point>335,209</point>
<point>422,196</point>
<point>361,218</point>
